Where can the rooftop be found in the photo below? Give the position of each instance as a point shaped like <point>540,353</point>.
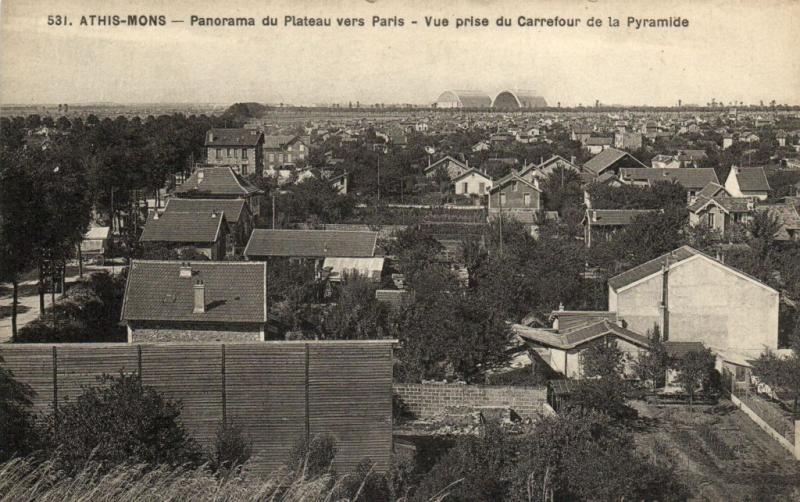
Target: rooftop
<point>233,137</point>
<point>189,227</point>
<point>234,291</point>
<point>311,243</point>
<point>231,207</point>
<point>218,181</point>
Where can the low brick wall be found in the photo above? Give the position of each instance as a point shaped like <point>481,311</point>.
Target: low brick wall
<point>432,399</point>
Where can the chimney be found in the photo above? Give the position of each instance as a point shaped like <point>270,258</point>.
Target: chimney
<point>199,297</point>
<point>185,271</point>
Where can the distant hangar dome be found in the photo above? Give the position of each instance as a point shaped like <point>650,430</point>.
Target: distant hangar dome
<point>513,100</point>
<point>464,99</point>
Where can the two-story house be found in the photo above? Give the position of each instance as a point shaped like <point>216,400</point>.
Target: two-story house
<point>280,150</point>
<point>220,183</point>
<point>515,197</point>
<point>241,149</point>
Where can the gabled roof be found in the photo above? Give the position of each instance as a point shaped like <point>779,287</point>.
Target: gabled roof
<point>605,159</point>
<point>231,207</point>
<point>570,320</point>
<point>692,154</point>
<point>726,203</point>
<point>513,176</point>
<point>613,217</point>
<point>310,243</point>
<point>470,172</point>
<point>444,159</point>
<point>595,141</point>
<point>278,141</point>
<point>787,215</point>
<point>554,158</point>
<point>234,291</point>
<point>579,336</point>
<point>183,227</point>
<point>216,180</point>
<point>712,190</point>
<point>689,178</point>
<point>232,137</point>
<point>751,179</point>
<point>672,258</point>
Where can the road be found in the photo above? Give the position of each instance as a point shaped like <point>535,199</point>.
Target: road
<point>28,300</point>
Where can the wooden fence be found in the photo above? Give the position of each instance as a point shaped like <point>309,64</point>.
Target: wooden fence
<point>277,392</point>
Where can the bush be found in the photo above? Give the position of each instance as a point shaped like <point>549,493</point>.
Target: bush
<point>400,410</point>
<point>605,395</point>
<point>231,449</point>
<point>311,459</point>
<point>119,421</point>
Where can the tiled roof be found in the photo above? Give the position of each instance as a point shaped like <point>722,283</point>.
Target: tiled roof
<point>692,154</point>
<point>593,141</point>
<point>603,160</point>
<point>729,204</point>
<point>231,207</point>
<point>472,171</point>
<point>613,217</point>
<point>689,178</point>
<point>278,141</point>
<point>444,160</point>
<point>579,336</point>
<point>234,292</point>
<point>651,267</point>
<point>232,137</point>
<point>183,227</point>
<point>787,215</point>
<point>218,180</point>
<point>712,189</point>
<point>395,298</point>
<point>752,179</point>
<point>569,320</point>
<point>310,243</point>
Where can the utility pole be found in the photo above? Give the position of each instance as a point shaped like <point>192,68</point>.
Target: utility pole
<point>379,178</point>
<point>500,198</point>
<point>273,211</point>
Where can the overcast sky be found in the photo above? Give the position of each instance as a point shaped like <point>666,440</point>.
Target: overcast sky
<point>732,50</point>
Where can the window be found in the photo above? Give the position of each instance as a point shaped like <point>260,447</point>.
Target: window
<point>230,152</point>
<point>481,187</point>
<point>244,169</point>
<point>502,199</point>
<point>219,153</point>
<point>527,198</point>
<point>272,157</point>
<point>288,157</point>
<point>514,186</point>
<point>302,147</point>
<point>710,220</point>
<point>236,153</point>
<point>465,187</point>
<point>244,153</point>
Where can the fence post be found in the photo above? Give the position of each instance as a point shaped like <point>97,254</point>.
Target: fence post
<point>797,439</point>
<point>139,360</point>
<point>308,418</point>
<point>55,387</point>
<point>224,396</point>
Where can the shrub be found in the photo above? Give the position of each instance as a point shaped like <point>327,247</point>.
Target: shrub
<point>400,410</point>
<point>231,449</point>
<point>119,421</point>
<point>311,459</point>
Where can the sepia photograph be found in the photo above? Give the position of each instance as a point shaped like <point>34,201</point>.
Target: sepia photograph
<point>399,250</point>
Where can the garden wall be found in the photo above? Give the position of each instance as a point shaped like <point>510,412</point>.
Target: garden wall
<point>432,399</point>
<point>277,392</point>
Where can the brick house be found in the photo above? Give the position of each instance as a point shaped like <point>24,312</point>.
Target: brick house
<point>171,301</point>
<point>693,180</point>
<point>241,149</point>
<point>513,196</point>
<point>237,215</point>
<point>210,182</point>
<point>204,232</point>
<point>284,149</point>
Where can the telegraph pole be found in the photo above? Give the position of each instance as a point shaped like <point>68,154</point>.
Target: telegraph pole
<point>273,211</point>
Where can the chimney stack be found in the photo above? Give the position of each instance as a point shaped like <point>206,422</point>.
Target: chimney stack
<point>185,272</point>
<point>199,297</point>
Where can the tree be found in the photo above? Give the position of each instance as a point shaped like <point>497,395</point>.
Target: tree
<point>781,374</point>
<point>119,421</point>
<point>18,435</point>
<point>414,248</point>
<point>695,372</point>
<point>357,314</point>
<point>651,365</point>
<point>603,359</point>
<point>562,189</point>
<point>605,395</point>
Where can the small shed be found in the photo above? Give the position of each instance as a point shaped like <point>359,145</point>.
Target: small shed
<point>95,242</point>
